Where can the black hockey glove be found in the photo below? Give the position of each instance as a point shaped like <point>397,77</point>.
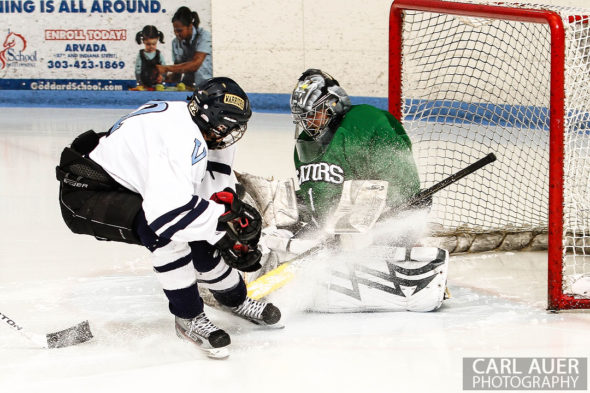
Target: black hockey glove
<point>240,220</point>
<point>239,256</point>
<point>242,225</point>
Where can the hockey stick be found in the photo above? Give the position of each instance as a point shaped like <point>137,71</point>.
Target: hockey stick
<point>422,195</point>
<point>278,277</point>
<point>71,336</point>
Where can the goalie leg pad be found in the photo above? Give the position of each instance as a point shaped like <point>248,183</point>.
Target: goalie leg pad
<point>399,280</point>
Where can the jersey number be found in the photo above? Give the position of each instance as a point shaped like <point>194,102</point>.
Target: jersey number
<point>150,107</point>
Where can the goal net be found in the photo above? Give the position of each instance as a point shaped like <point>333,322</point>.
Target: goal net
<point>471,78</point>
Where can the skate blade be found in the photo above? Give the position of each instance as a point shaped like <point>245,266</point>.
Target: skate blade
<point>262,324</point>
<point>216,353</point>
<point>71,336</point>
<point>277,325</point>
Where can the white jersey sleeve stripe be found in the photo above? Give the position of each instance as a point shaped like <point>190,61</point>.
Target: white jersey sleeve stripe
<point>171,215</point>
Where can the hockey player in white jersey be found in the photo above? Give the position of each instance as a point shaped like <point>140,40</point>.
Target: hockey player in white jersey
<point>162,177</point>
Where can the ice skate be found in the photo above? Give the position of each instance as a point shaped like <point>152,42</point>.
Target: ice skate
<point>257,312</point>
<point>202,332</point>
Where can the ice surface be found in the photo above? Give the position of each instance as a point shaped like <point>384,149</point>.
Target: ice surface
<point>51,279</point>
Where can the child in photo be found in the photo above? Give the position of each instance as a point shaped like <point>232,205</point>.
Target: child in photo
<point>146,73</point>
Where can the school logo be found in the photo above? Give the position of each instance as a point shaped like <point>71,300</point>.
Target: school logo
<point>13,44</point>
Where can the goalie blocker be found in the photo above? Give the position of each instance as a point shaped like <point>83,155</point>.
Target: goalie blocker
<point>395,279</point>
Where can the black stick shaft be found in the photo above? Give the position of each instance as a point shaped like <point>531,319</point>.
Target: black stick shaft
<point>422,195</point>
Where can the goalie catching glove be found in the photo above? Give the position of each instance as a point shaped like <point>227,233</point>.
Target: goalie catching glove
<point>242,225</point>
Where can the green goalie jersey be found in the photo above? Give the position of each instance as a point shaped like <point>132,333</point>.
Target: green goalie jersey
<point>369,144</point>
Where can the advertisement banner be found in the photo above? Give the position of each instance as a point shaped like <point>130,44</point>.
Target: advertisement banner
<point>83,44</point>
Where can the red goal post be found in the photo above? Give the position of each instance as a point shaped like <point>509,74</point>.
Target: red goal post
<point>557,111</point>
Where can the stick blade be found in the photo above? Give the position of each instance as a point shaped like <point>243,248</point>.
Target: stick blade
<point>70,336</point>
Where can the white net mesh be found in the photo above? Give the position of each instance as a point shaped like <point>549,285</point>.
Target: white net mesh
<point>472,86</point>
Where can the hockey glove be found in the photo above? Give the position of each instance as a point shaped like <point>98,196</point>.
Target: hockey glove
<point>239,256</point>
<point>242,225</point>
<point>240,220</point>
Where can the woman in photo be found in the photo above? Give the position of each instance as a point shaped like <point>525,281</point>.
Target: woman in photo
<point>191,51</point>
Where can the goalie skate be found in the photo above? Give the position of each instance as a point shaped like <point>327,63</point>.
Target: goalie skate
<point>203,333</point>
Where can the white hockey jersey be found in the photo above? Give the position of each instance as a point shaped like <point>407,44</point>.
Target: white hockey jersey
<point>160,153</point>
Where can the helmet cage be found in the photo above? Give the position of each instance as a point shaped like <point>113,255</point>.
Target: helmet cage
<point>223,136</point>
<point>316,120</point>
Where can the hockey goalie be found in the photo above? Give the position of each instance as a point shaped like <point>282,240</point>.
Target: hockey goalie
<point>356,178</point>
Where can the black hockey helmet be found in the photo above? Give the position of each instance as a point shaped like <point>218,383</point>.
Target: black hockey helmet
<point>221,109</point>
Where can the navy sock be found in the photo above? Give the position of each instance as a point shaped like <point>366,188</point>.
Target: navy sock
<point>232,297</point>
<point>185,303</point>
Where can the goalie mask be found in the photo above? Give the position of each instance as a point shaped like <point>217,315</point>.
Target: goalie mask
<point>317,104</point>
<point>316,101</point>
<point>221,109</point>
